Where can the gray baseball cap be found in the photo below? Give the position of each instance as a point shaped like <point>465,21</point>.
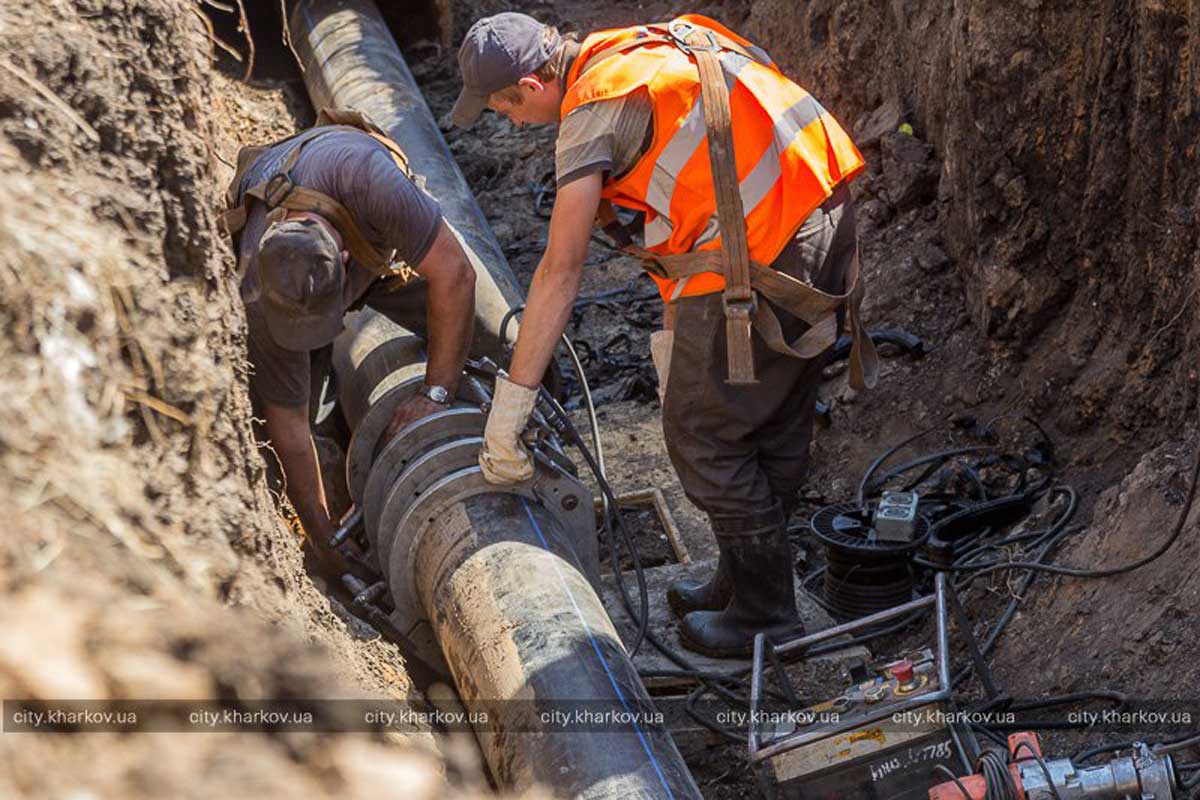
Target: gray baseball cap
<point>497,52</point>
<point>300,270</point>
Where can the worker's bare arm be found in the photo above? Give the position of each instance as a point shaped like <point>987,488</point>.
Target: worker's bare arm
<point>556,281</point>
<point>450,316</point>
<point>291,439</point>
<point>451,309</point>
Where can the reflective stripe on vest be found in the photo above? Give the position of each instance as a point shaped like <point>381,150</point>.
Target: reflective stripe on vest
<point>790,152</point>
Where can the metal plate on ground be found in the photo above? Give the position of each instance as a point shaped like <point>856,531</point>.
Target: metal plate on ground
<point>412,442</point>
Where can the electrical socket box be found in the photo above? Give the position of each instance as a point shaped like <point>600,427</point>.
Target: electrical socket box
<point>896,517</point>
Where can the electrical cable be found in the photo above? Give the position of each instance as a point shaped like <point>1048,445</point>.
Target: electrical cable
<point>989,733</point>
<point>944,770</point>
<point>917,481</point>
<point>999,781</point>
<point>1053,536</point>
<point>987,429</point>
<point>1041,763</point>
<point>1173,747</point>
<point>932,458</point>
<point>862,484</point>
<point>1079,572</point>
<point>593,420</point>
<point>1119,698</point>
<point>643,616</point>
<point>1092,752</point>
<point>711,681</point>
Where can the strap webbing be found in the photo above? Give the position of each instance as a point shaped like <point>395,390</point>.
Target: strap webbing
<point>280,191</point>
<point>659,34</point>
<point>738,298</point>
<point>742,276</point>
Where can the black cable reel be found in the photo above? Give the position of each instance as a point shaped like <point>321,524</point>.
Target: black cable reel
<point>867,570</point>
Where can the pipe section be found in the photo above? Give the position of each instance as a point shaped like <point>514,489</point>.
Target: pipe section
<point>503,580</point>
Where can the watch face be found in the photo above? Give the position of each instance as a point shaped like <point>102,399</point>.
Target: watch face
<point>437,394</point>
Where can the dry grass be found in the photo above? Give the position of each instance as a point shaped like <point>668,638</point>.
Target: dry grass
<point>140,556</point>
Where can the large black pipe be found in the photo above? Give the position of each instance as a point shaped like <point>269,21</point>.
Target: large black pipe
<point>497,578</point>
<point>533,651</point>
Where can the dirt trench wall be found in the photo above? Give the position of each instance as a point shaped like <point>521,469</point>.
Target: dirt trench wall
<point>1135,632</point>
<point>1067,135</point>
<point>141,556</point>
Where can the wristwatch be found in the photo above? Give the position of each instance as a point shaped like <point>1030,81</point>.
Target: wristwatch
<point>438,394</point>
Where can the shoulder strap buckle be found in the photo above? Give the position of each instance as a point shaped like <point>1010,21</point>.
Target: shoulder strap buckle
<point>739,307</point>
<point>687,37</point>
<point>278,189</point>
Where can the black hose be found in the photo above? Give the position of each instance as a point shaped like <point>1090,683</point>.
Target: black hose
<point>932,458</point>
<point>1041,763</point>
<point>1079,572</point>
<point>884,456</point>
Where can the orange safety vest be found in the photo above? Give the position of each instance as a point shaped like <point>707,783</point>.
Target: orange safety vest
<point>790,152</point>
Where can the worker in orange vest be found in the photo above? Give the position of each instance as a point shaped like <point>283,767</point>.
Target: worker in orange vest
<point>749,233</point>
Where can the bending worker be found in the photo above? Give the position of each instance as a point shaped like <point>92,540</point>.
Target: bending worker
<point>324,222</point>
<point>749,233</point>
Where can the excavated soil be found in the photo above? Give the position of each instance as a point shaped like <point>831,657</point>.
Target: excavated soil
<point>143,556</point>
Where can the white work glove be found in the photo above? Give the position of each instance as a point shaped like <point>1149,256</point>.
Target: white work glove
<point>661,343</point>
<point>504,458</point>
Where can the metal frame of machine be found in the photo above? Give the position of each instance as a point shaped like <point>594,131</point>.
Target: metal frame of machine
<point>770,757</point>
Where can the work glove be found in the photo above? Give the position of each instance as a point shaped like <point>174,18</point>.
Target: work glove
<point>504,458</point>
<point>661,343</point>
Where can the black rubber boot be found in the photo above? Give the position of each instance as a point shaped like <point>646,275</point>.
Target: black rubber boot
<point>714,594</point>
<point>759,558</point>
<point>690,595</point>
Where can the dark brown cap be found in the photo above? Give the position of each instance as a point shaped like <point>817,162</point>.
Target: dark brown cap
<point>301,273</point>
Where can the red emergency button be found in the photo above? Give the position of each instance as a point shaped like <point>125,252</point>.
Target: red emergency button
<point>902,671</point>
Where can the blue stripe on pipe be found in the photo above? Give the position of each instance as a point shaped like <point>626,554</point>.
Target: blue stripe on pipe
<point>596,646</point>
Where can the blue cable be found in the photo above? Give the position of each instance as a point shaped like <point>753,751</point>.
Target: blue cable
<point>596,646</point>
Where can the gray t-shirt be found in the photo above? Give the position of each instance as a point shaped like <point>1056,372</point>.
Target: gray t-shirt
<point>603,136</point>
<point>391,211</point>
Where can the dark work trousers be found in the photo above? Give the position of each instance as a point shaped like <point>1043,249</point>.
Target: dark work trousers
<point>735,448</point>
